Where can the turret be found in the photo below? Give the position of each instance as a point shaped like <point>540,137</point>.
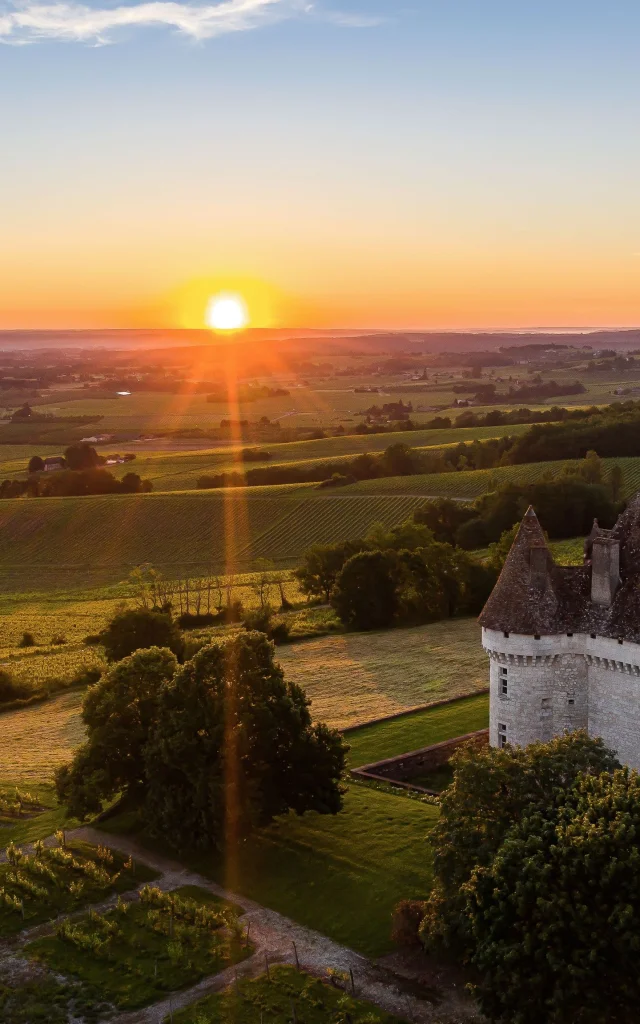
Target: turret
<point>605,570</point>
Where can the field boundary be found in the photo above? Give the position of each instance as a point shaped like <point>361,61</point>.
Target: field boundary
<point>414,711</point>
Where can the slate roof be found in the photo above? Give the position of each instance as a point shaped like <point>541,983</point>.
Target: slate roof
<point>534,596</point>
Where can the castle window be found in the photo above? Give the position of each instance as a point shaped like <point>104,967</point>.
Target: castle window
<point>502,734</point>
<point>592,635</point>
<point>546,702</point>
<point>569,634</point>
<point>619,641</point>
<point>503,682</point>
<point>506,636</point>
<point>536,636</point>
<point>571,700</point>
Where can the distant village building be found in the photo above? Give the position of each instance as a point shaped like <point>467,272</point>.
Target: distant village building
<point>564,641</point>
<point>53,462</point>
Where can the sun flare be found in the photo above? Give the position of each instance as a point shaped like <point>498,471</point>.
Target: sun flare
<point>226,312</point>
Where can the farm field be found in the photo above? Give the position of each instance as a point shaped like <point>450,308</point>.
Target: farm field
<point>179,470</point>
<point>470,484</point>
<point>355,677</point>
<point>350,678</point>
<point>71,543</point>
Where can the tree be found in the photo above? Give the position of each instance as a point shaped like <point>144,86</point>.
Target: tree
<point>81,456</point>
<point>36,464</point>
<point>554,917</point>
<point>365,592</point>
<point>118,713</point>
<point>400,460</point>
<point>136,628</point>
<point>321,565</point>
<point>491,790</point>
<point>443,517</point>
<point>131,483</point>
<point>234,746</point>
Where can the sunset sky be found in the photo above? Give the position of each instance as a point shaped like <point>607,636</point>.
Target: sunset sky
<point>348,163</point>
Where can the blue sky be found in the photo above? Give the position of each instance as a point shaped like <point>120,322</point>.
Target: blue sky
<point>476,160</point>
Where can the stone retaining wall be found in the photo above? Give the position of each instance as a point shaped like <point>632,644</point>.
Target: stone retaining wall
<point>401,769</point>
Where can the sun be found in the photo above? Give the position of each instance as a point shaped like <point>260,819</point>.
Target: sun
<point>226,311</point>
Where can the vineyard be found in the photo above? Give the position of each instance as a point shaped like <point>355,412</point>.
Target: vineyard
<point>70,543</point>
<point>325,520</point>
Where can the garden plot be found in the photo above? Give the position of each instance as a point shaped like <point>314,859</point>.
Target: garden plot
<point>283,995</point>
<point>139,951</point>
<point>48,881</point>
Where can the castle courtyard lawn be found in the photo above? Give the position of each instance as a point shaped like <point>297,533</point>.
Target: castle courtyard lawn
<point>341,875</point>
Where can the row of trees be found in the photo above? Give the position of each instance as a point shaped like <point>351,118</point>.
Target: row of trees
<point>537,882</point>
<point>397,576</point>
<point>67,482</point>
<point>203,751</point>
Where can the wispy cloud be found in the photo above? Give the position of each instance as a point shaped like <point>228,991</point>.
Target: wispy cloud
<point>27,21</point>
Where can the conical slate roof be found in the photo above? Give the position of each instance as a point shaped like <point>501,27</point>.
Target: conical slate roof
<point>524,598</point>
<point>534,596</point>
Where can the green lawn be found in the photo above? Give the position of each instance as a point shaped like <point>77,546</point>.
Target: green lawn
<point>341,875</point>
<point>316,1002</point>
<point>420,729</point>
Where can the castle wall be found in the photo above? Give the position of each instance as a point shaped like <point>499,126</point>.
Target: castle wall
<point>564,682</point>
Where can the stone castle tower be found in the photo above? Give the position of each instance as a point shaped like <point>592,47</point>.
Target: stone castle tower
<point>564,641</point>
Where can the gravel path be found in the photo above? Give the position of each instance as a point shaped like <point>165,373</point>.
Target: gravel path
<point>274,936</point>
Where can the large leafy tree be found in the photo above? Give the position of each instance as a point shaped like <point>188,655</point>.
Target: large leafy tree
<point>365,593</point>
<point>491,790</point>
<point>321,566</point>
<point>136,628</point>
<point>555,916</point>
<point>118,713</point>
<point>234,746</point>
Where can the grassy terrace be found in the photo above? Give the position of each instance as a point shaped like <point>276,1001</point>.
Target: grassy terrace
<point>419,729</point>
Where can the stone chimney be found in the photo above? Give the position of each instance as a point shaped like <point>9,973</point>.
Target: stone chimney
<point>605,570</point>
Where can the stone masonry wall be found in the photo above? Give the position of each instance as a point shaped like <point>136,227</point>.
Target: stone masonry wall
<point>565,682</point>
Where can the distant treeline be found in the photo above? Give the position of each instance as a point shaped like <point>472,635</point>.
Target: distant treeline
<point>615,434</point>
<point>536,391</point>
<point>69,482</point>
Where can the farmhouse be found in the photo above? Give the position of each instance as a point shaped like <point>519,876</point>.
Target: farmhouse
<point>54,462</point>
<point>564,641</point>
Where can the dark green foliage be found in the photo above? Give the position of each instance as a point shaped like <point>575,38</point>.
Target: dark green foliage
<point>10,688</point>
<point>195,620</point>
<point>118,713</point>
<point>491,791</point>
<point>322,563</point>
<point>365,594</point>
<point>555,916</point>
<point>28,640</point>
<point>36,464</point>
<point>136,628</point>
<point>262,621</point>
<point>444,517</point>
<point>234,746</point>
<point>81,456</point>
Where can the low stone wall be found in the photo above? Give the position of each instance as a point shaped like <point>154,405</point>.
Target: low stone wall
<point>401,769</point>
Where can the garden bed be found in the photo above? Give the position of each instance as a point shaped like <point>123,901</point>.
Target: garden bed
<point>139,951</point>
<point>38,886</point>
<point>282,996</point>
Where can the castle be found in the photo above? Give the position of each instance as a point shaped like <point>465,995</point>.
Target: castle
<point>564,641</point>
